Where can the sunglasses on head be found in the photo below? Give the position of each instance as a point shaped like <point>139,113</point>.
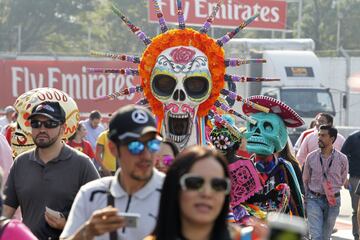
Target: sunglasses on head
<point>137,147</point>
<point>47,124</point>
<point>190,182</point>
<point>165,160</point>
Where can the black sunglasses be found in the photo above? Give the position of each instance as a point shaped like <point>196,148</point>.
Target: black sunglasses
<point>196,183</point>
<point>47,124</point>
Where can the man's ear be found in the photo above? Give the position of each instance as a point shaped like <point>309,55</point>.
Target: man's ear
<point>63,128</point>
<point>114,149</point>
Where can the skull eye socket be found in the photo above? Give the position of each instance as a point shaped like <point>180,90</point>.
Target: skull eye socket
<point>163,85</point>
<point>196,87</point>
<point>268,127</point>
<point>251,126</point>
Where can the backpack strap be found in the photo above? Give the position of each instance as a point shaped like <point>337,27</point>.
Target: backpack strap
<point>111,202</point>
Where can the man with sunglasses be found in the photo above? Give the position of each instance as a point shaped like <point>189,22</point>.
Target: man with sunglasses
<point>99,207</point>
<point>47,177</point>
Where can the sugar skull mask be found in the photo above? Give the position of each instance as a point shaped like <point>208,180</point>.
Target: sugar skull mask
<point>25,102</point>
<point>267,136</point>
<point>181,80</point>
<point>20,141</point>
<point>182,73</point>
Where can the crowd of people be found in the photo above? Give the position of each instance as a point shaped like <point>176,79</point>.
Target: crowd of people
<point>179,167</point>
<point>129,182</point>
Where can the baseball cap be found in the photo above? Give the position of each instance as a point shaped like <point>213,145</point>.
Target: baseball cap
<point>9,109</point>
<point>131,121</point>
<point>52,110</point>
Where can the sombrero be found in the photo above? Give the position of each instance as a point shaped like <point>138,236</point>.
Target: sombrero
<point>287,114</point>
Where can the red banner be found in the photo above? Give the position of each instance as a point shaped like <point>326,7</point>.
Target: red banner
<point>231,14</point>
<point>71,77</point>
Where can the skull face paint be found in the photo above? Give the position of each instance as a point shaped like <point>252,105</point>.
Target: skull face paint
<point>181,80</point>
<point>267,136</point>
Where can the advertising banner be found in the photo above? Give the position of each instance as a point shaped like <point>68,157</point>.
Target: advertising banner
<point>231,14</point>
<point>18,76</point>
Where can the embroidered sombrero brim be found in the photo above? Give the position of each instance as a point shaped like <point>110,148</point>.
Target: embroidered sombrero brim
<point>290,117</point>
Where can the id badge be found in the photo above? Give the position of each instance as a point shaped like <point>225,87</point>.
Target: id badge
<point>330,196</point>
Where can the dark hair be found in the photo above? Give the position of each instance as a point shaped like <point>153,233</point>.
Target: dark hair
<point>287,155</point>
<point>173,146</point>
<point>331,130</point>
<point>95,115</point>
<point>328,117</point>
<point>168,226</point>
<point>77,130</point>
<point>312,124</point>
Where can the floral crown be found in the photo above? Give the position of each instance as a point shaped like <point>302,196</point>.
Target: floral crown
<point>212,48</point>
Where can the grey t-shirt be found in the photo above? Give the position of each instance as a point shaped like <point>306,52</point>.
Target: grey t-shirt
<point>33,185</point>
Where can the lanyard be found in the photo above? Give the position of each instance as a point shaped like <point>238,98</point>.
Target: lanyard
<point>330,163</point>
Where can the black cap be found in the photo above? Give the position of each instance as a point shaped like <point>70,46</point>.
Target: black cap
<point>131,121</point>
<point>52,110</point>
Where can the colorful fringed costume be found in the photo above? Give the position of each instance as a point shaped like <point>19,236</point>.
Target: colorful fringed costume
<point>281,191</point>
<point>263,183</point>
<point>182,75</point>
<point>245,180</point>
<point>268,136</point>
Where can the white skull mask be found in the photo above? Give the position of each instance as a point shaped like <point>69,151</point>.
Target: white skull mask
<point>181,80</point>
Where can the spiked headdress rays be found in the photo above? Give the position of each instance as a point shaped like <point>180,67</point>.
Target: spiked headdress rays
<point>184,37</point>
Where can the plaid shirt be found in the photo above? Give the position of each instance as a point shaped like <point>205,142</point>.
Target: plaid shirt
<point>313,176</point>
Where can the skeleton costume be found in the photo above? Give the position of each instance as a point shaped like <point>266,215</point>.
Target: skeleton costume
<point>265,138</point>
<point>182,75</point>
<point>20,141</point>
<point>245,180</point>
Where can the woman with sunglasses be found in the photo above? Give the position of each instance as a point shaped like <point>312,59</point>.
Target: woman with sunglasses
<point>195,197</point>
<point>165,156</point>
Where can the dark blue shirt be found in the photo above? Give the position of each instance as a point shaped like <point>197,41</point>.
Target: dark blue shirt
<point>351,149</point>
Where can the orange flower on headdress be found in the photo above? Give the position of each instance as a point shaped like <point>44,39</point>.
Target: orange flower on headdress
<point>186,37</point>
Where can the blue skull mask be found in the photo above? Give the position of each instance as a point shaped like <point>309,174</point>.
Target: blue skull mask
<point>267,136</point>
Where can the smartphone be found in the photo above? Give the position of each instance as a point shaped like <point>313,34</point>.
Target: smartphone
<point>131,219</point>
<point>54,213</point>
<point>284,227</point>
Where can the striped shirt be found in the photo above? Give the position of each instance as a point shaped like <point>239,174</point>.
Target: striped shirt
<point>335,166</point>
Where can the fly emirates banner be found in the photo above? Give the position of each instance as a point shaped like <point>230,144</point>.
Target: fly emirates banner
<point>19,76</point>
<point>272,13</point>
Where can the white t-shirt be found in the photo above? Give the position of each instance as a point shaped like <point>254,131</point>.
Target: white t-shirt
<point>92,133</point>
<point>92,196</point>
<point>6,159</point>
<point>3,123</point>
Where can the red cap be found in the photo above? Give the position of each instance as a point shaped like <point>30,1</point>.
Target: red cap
<point>287,114</point>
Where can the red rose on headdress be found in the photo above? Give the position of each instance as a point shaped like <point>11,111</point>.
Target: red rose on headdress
<point>182,55</point>
<point>218,125</point>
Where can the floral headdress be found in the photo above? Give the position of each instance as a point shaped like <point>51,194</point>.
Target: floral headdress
<point>186,41</point>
